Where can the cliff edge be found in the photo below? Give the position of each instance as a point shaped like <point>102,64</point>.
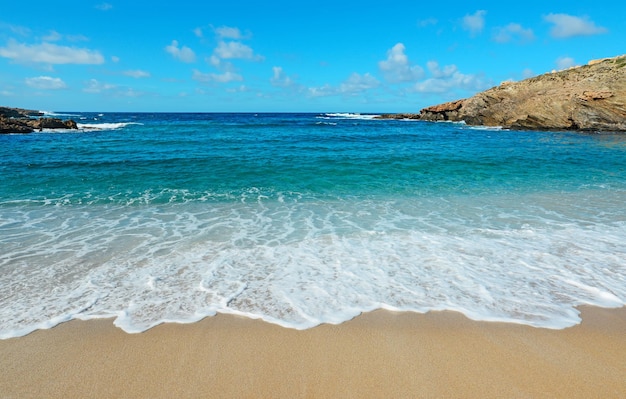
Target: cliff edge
<point>586,98</point>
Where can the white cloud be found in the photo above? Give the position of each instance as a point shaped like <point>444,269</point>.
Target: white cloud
<point>437,72</point>
<point>475,22</point>
<point>397,68</point>
<point>224,77</point>
<point>129,92</point>
<point>50,54</point>
<point>46,83</point>
<point>214,60</point>
<point>565,62</point>
<point>217,62</point>
<point>94,86</point>
<point>240,89</point>
<point>76,38</point>
<point>104,6</point>
<point>228,32</point>
<point>198,32</point>
<point>53,36</point>
<point>232,49</point>
<point>137,73</point>
<point>528,73</point>
<point>184,54</point>
<point>448,79</point>
<point>427,22</point>
<point>513,32</point>
<point>235,50</point>
<point>357,83</point>
<point>568,25</point>
<point>324,91</point>
<point>115,59</point>
<point>280,79</point>
<point>17,29</point>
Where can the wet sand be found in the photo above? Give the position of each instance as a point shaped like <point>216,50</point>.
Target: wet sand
<point>376,355</point>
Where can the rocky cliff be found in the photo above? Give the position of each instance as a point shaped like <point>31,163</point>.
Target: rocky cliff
<point>587,98</point>
<point>17,120</point>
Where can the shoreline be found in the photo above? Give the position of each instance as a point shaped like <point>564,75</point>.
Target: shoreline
<point>377,354</point>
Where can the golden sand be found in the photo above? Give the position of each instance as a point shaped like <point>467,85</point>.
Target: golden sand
<point>377,355</point>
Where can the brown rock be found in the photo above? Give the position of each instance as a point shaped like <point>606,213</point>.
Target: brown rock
<point>50,123</point>
<point>442,112</point>
<point>17,120</point>
<point>398,116</point>
<point>18,112</point>
<point>591,98</point>
<point>13,126</point>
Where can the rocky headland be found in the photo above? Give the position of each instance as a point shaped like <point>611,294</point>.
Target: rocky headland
<point>586,98</point>
<point>17,120</point>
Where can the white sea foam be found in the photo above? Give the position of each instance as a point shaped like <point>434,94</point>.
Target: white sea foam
<point>56,130</point>
<point>493,128</point>
<point>58,114</point>
<point>350,116</point>
<point>104,126</point>
<point>299,262</point>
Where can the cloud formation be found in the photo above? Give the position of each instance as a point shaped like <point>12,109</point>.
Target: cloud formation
<point>228,32</point>
<point>95,86</point>
<point>137,73</point>
<point>427,22</point>
<point>184,53</point>
<point>235,50</point>
<point>16,29</point>
<point>358,83</point>
<point>225,77</point>
<point>224,52</point>
<point>104,6</point>
<point>355,84</point>
<point>397,68</point>
<point>568,26</point>
<point>280,79</point>
<point>475,23</point>
<point>55,36</point>
<point>49,53</point>
<point>513,32</point>
<point>565,62</point>
<point>45,83</point>
<point>449,78</point>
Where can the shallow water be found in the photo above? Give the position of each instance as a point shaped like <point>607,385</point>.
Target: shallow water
<point>302,219</point>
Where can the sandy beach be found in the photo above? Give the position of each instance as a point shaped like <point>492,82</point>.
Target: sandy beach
<point>380,354</point>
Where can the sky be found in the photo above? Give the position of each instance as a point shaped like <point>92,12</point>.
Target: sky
<point>288,56</point>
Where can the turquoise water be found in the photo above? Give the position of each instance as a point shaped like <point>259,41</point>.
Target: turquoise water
<point>302,219</point>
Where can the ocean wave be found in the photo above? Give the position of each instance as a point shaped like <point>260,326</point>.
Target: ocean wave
<point>301,264</point>
<point>341,115</point>
<point>105,126</point>
<point>58,114</point>
<point>489,128</point>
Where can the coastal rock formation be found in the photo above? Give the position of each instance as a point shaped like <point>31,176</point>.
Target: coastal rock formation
<point>18,112</point>
<point>587,98</point>
<point>17,120</point>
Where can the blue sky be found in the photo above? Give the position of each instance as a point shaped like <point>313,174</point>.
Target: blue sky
<point>322,56</point>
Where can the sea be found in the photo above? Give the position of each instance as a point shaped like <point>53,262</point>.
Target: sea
<point>305,219</point>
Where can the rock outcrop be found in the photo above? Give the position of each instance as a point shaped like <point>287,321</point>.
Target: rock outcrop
<point>586,98</point>
<point>17,120</point>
